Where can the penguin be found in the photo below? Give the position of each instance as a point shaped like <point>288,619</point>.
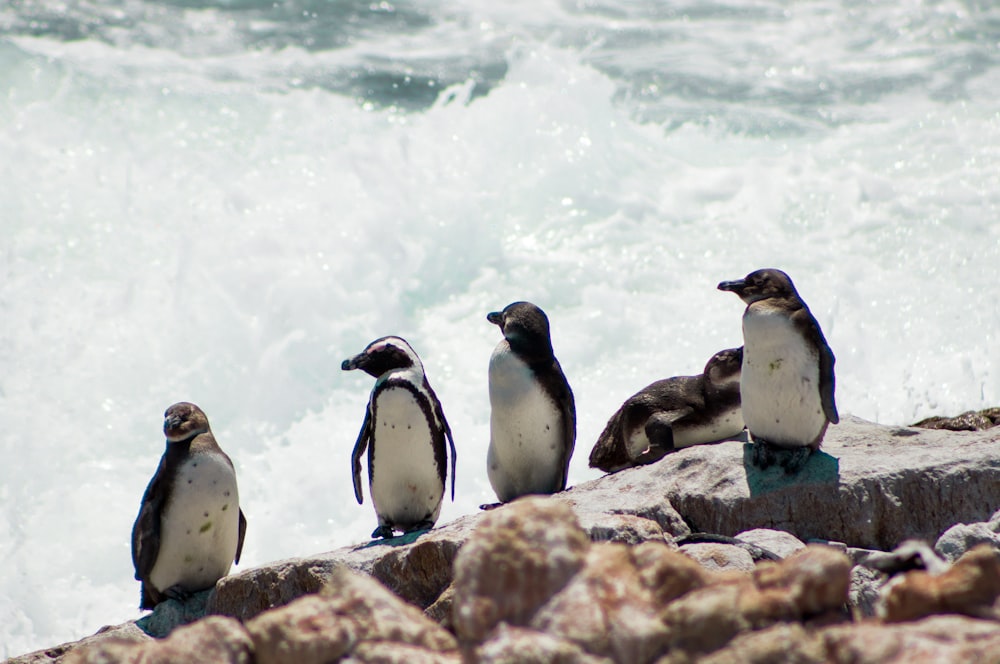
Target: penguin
<point>787,382</point>
<point>532,412</point>
<point>674,413</point>
<point>190,527</point>
<point>404,430</point>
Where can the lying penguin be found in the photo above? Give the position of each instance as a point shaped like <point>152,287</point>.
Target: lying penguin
<point>674,413</point>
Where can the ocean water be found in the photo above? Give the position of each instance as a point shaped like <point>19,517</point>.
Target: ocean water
<point>220,200</point>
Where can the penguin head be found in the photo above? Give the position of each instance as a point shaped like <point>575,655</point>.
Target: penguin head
<point>725,366</point>
<point>525,327</point>
<point>760,285</point>
<point>382,355</point>
<point>183,421</point>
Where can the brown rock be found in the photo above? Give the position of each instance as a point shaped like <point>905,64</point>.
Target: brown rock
<point>211,640</point>
<point>669,574</point>
<point>968,421</point>
<point>607,609</point>
<point>928,641</point>
<point>518,645</point>
<point>718,557</point>
<point>519,556</point>
<point>816,579</point>
<point>387,652</point>
<point>351,609</point>
<point>971,587</point>
<point>123,634</point>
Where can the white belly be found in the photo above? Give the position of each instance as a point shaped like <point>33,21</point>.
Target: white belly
<point>526,430</point>
<point>199,528</point>
<point>779,386</point>
<point>405,484</point>
<point>726,425</point>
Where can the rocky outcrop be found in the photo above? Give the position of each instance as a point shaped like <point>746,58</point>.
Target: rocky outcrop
<point>968,421</point>
<point>594,574</point>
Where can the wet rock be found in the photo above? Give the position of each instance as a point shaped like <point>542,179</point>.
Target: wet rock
<point>519,556</point>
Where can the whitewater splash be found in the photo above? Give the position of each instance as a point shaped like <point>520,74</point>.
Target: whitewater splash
<point>221,202</point>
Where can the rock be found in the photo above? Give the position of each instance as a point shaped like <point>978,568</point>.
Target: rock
<point>624,528</point>
<point>519,556</point>
<point>121,634</point>
<point>810,583</point>
<point>617,494</point>
<point>970,587</point>
<point>867,488</point>
<point>383,652</point>
<point>518,645</point>
<point>173,613</point>
<point>719,556</point>
<point>816,579</point>
<point>418,570</point>
<point>211,640</point>
<point>960,538</point>
<point>967,421</point>
<point>351,609</point>
<point>607,609</point>
<point>778,542</point>
<point>863,594</point>
<point>938,639</point>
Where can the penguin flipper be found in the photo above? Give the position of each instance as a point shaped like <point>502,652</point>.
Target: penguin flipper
<point>359,449</point>
<point>827,382</point>
<point>660,428</point>
<point>454,457</point>
<point>568,407</point>
<point>146,530</point>
<point>239,541</point>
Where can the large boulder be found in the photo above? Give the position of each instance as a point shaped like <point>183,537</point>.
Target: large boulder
<point>871,486</point>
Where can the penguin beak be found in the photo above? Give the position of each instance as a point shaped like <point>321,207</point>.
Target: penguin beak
<point>356,362</point>
<point>733,286</point>
<point>171,422</point>
<point>495,317</point>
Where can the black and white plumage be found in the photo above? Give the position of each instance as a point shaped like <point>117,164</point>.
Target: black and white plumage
<point>672,414</point>
<point>787,383</point>
<point>404,431</point>
<point>532,412</point>
<point>190,527</point>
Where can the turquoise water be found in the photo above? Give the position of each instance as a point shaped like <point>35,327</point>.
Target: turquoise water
<point>220,201</point>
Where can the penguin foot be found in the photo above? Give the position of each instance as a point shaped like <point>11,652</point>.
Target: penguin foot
<point>795,459</point>
<point>424,525</point>
<point>178,593</point>
<point>385,532</point>
<point>652,454</point>
<point>762,454</point>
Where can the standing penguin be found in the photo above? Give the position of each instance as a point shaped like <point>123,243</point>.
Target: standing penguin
<point>533,416</point>
<point>190,527</point>
<point>404,430</point>
<point>674,413</point>
<point>787,382</point>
